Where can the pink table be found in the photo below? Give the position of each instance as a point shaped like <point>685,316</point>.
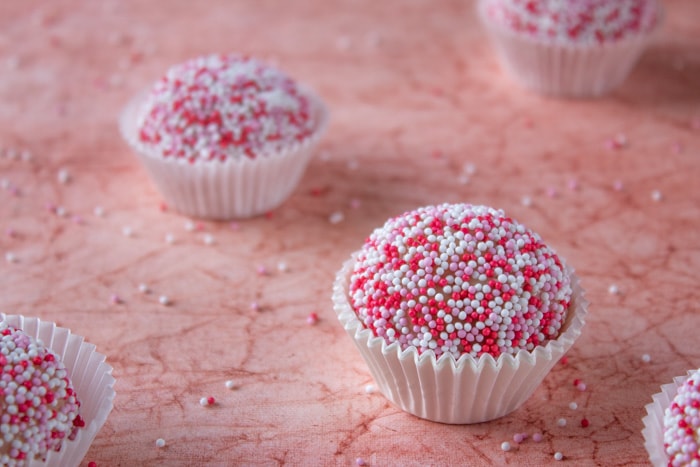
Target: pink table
<point>418,103</point>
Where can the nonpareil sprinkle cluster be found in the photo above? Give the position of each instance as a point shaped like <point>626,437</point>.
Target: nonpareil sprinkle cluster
<point>224,106</point>
<point>459,279</point>
<point>38,406</point>
<point>580,21</point>
<point>682,424</point>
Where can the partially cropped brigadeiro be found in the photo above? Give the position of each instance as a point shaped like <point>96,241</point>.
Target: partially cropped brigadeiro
<point>682,424</point>
<point>38,405</point>
<point>577,48</point>
<point>460,279</point>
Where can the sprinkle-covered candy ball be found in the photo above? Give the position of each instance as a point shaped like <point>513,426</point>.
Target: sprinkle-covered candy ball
<point>580,21</point>
<point>224,106</point>
<point>459,279</point>
<point>682,424</point>
<point>38,406</point>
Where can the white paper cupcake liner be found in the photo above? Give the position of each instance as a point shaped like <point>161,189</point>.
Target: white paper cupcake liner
<point>653,431</point>
<point>92,380</point>
<point>233,189</point>
<point>564,70</point>
<point>468,390</point>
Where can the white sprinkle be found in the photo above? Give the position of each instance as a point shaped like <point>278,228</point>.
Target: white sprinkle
<point>469,168</point>
<point>573,406</point>
<point>463,179</point>
<point>143,288</point>
<point>98,211</point>
<point>282,266</point>
<point>4,183</point>
<point>127,231</point>
<point>613,289</point>
<point>160,442</point>
<point>336,218</point>
<point>61,211</point>
<point>169,238</point>
<point>369,389</point>
<point>203,402</point>
<point>526,201</point>
<point>10,257</point>
<point>27,155</point>
<point>558,456</point>
<point>189,226</point>
<point>646,358</point>
<point>343,43</point>
<point>164,300</point>
<point>656,196</point>
<point>561,422</point>
<point>208,239</point>
<point>63,176</point>
<point>230,384</point>
<point>505,446</point>
<point>12,63</point>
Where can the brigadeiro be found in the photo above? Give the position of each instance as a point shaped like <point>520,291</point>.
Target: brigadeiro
<point>459,311</point>
<point>225,136</point>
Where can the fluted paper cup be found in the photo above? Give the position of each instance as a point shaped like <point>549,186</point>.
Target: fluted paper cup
<point>233,189</point>
<point>653,431</point>
<point>567,70</point>
<point>446,390</point>
<point>91,377</point>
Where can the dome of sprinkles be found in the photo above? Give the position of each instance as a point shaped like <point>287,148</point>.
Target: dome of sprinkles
<point>459,279</point>
<point>580,21</point>
<point>38,407</point>
<point>682,424</point>
<point>224,106</point>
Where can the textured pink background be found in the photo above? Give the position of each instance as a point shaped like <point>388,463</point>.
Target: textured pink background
<point>415,94</point>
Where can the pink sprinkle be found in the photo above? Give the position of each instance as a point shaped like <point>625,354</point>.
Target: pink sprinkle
<point>551,192</point>
<point>78,220</point>
<point>618,185</point>
<point>519,437</point>
<point>581,386</point>
<point>254,306</point>
<point>312,318</point>
<point>163,206</point>
<point>10,233</point>
<point>677,147</point>
<point>199,226</point>
<point>573,184</point>
<point>355,203</point>
<point>360,461</point>
<point>437,154</point>
<point>115,299</point>
<point>234,226</point>
<point>262,271</point>
<point>537,437</point>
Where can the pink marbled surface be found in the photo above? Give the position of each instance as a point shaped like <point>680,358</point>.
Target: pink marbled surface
<point>415,94</point>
